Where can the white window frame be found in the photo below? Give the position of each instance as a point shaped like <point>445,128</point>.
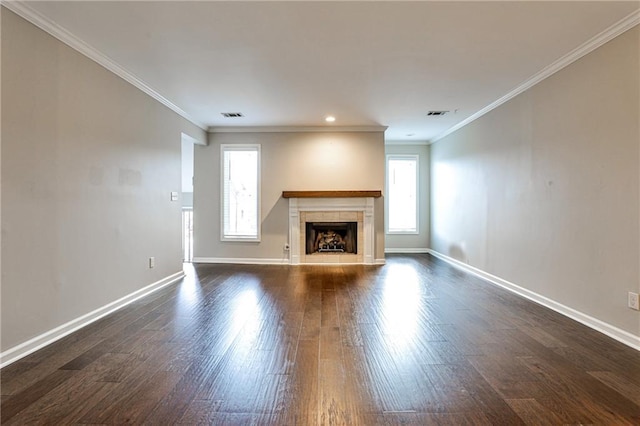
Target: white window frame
<point>248,238</point>
<point>416,158</point>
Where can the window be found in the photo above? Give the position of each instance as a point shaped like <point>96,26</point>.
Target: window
<point>402,194</point>
<point>240,192</point>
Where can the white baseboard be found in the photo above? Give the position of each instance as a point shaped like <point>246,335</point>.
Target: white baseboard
<point>614,332</point>
<point>250,261</point>
<point>20,351</point>
<point>241,261</point>
<point>405,250</point>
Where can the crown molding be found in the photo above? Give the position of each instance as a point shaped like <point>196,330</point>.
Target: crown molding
<point>21,8</point>
<point>408,142</point>
<point>296,129</point>
<point>587,47</point>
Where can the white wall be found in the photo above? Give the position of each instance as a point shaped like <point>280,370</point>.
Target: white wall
<point>88,164</point>
<point>289,161</point>
<point>543,191</point>
<point>408,243</point>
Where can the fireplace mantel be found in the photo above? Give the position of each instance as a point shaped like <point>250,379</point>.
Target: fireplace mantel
<point>331,194</point>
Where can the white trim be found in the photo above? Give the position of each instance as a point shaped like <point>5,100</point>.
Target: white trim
<point>360,204</point>
<point>190,139</point>
<point>412,157</point>
<point>20,351</point>
<point>241,261</point>
<point>587,47</point>
<point>400,142</point>
<point>416,232</point>
<point>284,261</point>
<point>406,250</point>
<point>328,263</point>
<point>614,332</point>
<point>295,129</point>
<point>22,9</point>
<point>241,238</point>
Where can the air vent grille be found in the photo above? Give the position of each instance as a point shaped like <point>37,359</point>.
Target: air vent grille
<point>232,114</point>
<point>434,113</point>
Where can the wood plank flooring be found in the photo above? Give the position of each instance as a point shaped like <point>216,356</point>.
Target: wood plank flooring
<point>411,342</point>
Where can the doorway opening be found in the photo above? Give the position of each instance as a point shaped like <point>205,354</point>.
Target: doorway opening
<point>187,234</point>
<point>187,198</point>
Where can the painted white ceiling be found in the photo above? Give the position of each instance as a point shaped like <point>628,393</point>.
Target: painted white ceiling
<point>367,63</point>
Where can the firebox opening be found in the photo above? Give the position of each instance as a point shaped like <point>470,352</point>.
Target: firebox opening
<point>331,237</point>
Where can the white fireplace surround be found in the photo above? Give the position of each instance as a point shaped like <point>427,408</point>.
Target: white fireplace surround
<point>347,204</point>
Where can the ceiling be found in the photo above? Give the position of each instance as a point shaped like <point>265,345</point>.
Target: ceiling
<point>367,63</point>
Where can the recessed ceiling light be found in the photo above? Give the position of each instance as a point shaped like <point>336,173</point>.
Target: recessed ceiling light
<point>431,113</point>
<point>232,114</point>
<point>330,119</point>
<point>411,134</point>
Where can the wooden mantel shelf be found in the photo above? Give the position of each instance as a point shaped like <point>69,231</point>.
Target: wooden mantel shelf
<point>331,194</point>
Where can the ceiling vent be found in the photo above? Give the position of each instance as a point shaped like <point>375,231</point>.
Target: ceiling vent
<point>232,114</point>
<point>434,113</point>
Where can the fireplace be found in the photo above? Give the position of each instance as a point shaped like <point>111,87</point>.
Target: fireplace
<point>347,222</point>
<point>331,237</point>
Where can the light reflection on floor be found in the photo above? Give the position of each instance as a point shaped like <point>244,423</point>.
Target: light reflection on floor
<point>400,307</point>
<point>189,294</point>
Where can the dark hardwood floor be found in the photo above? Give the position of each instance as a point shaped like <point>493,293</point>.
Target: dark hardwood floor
<point>412,342</point>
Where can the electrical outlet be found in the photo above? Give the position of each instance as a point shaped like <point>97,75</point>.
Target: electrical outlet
<point>152,262</point>
<point>286,247</point>
<point>634,303</point>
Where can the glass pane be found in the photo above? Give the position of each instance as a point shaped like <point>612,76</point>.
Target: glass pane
<point>402,193</point>
<point>241,193</point>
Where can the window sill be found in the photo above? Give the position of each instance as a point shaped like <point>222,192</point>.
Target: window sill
<point>240,239</point>
<point>402,233</point>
